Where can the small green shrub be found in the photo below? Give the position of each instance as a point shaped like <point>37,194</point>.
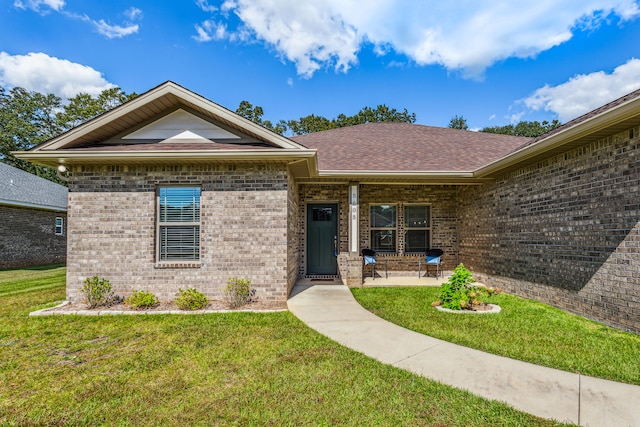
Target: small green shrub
<point>141,299</point>
<point>238,292</point>
<point>191,299</point>
<point>457,293</point>
<point>97,292</point>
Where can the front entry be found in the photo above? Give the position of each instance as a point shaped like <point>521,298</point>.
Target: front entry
<point>322,239</point>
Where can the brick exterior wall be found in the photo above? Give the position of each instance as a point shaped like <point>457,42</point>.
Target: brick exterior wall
<point>441,198</point>
<point>244,227</point>
<point>564,231</point>
<point>28,237</point>
<point>293,233</point>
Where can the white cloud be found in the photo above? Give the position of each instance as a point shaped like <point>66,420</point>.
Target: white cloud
<point>35,5</point>
<point>114,31</point>
<point>46,74</point>
<point>584,92</point>
<point>110,31</point>
<point>465,37</point>
<point>205,6</point>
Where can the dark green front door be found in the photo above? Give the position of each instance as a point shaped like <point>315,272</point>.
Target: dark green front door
<point>322,236</point>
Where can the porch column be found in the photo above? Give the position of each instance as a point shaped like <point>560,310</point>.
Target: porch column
<point>354,218</point>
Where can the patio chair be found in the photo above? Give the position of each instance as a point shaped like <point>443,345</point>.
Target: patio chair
<point>433,257</point>
<point>369,257</point>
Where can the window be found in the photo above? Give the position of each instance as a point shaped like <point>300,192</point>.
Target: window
<point>417,228</point>
<point>59,226</point>
<point>178,223</point>
<point>383,228</point>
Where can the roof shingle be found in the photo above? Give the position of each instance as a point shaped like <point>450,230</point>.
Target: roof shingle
<point>406,147</point>
<point>20,188</point>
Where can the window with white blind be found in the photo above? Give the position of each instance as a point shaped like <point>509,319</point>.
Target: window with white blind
<point>178,223</point>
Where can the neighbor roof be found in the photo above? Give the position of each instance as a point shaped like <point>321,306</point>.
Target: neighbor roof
<point>20,188</point>
<point>406,147</point>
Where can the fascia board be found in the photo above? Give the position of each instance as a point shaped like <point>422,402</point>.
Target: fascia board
<point>185,95</point>
<point>65,157</point>
<point>33,205</point>
<point>573,133</point>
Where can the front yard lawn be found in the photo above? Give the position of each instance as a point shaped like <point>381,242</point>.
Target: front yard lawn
<point>214,369</point>
<point>524,330</point>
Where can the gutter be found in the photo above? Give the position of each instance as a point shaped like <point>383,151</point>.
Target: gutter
<point>573,133</point>
<point>33,205</point>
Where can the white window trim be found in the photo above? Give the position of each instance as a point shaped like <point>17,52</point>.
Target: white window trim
<point>160,224</point>
<point>61,233</point>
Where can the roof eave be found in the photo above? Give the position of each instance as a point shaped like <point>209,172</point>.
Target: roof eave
<point>619,114</point>
<point>168,88</point>
<point>401,177</point>
<point>19,204</point>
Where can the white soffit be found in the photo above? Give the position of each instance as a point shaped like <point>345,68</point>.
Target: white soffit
<point>180,125</point>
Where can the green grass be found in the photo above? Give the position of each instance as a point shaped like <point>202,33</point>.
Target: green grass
<point>216,369</point>
<point>524,330</point>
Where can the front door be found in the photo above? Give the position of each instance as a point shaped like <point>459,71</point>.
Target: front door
<point>322,239</point>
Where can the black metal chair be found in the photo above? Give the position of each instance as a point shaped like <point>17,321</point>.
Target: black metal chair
<point>433,257</point>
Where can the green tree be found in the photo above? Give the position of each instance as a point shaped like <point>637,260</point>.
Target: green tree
<point>26,119</point>
<point>248,111</point>
<point>29,118</point>
<point>525,128</point>
<point>84,107</point>
<point>313,123</point>
<point>381,113</point>
<point>458,122</point>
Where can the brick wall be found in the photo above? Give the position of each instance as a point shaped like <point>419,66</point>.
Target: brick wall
<point>28,237</point>
<point>244,224</point>
<point>293,230</point>
<point>564,231</point>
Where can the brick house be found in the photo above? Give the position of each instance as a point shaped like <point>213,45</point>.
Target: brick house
<point>34,215</point>
<point>171,190</point>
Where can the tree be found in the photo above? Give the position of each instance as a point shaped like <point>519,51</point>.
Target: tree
<point>458,122</point>
<point>524,128</point>
<point>248,111</point>
<point>84,107</point>
<point>29,118</point>
<point>26,119</point>
<point>381,113</point>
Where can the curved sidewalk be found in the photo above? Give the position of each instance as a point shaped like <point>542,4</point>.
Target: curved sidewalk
<point>545,392</point>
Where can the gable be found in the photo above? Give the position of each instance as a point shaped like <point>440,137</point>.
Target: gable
<point>180,126</point>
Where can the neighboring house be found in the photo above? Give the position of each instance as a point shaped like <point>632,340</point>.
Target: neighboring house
<point>170,190</point>
<point>33,218</point>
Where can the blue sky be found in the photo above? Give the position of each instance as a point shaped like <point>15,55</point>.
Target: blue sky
<point>492,62</point>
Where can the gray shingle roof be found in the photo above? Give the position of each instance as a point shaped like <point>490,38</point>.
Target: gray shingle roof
<point>20,188</point>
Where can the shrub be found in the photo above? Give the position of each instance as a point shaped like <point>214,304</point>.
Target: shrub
<point>191,299</point>
<point>97,292</point>
<point>141,299</point>
<point>457,293</point>
<point>238,292</point>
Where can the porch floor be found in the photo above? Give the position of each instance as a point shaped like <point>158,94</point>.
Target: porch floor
<point>403,280</point>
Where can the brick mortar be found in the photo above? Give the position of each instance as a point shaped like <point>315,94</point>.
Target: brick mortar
<point>28,237</point>
<point>563,231</point>
<point>243,229</point>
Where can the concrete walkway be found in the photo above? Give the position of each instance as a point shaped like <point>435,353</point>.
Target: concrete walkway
<point>331,310</point>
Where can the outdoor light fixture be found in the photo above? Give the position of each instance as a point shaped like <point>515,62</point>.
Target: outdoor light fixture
<point>62,172</point>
